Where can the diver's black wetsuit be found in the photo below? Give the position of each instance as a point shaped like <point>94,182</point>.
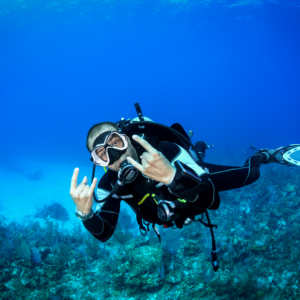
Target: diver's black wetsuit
<point>229,178</point>
<point>219,178</point>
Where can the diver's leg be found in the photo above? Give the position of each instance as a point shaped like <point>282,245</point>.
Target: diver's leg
<point>200,147</point>
<point>288,156</point>
<point>228,178</point>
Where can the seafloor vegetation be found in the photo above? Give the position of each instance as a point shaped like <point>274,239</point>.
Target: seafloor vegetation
<point>258,236</point>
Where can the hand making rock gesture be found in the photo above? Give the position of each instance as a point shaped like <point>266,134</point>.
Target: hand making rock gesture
<point>153,163</point>
<point>82,194</point>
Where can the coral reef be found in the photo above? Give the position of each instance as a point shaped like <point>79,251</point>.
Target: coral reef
<point>258,237</point>
<point>55,211</point>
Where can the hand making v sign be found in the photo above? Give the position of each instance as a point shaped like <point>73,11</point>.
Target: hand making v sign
<point>153,163</point>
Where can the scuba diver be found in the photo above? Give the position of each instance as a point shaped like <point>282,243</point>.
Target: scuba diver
<point>161,175</point>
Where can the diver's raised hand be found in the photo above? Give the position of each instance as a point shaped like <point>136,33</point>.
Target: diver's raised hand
<point>82,194</point>
<point>153,163</point>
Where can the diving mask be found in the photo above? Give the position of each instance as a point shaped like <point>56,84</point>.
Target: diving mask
<point>108,147</point>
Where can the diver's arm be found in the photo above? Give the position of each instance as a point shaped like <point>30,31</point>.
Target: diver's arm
<point>205,194</point>
<point>103,223</point>
<point>156,164</point>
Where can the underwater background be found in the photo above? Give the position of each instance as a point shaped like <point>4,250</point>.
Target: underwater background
<point>228,70</point>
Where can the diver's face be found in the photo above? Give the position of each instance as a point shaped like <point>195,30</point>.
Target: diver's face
<point>130,152</point>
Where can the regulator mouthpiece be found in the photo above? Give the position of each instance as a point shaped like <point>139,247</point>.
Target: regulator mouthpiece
<point>127,173</point>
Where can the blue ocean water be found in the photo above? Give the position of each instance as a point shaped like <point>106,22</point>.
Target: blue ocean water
<point>228,70</point>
